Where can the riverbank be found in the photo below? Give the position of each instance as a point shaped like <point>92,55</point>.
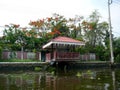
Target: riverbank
<point>6,66</point>
<point>88,65</point>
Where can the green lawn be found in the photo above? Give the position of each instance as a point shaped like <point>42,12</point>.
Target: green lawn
<point>19,60</point>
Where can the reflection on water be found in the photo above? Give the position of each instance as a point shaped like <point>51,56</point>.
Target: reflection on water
<point>105,79</point>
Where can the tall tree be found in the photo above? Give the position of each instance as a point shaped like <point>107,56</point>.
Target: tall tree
<point>75,27</point>
<point>94,30</point>
<point>58,25</point>
<point>13,35</point>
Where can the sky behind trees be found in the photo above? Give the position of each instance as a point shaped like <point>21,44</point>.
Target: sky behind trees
<point>22,11</point>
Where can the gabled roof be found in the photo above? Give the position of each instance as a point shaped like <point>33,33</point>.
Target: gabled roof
<point>65,41</point>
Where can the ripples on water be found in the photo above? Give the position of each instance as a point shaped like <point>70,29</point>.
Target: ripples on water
<point>97,79</point>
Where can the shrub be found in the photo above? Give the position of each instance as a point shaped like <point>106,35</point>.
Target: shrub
<point>0,52</point>
<point>117,59</point>
<point>38,69</point>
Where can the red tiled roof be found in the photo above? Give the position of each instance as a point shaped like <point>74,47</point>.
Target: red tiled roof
<point>65,39</point>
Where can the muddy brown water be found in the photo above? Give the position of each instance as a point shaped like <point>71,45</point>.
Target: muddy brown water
<point>88,79</point>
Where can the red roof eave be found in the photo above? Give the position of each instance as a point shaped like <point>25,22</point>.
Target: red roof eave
<point>64,41</point>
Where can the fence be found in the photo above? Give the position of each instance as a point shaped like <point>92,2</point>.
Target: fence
<point>19,55</point>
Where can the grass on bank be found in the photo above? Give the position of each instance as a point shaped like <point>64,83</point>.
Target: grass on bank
<point>29,60</point>
<point>93,61</point>
<point>19,60</point>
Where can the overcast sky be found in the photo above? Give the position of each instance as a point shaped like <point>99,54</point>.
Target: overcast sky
<point>22,11</point>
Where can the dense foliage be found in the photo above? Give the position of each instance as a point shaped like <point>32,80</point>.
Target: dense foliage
<point>91,30</point>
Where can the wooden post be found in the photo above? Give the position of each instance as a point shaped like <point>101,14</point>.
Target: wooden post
<point>52,52</point>
<point>22,53</point>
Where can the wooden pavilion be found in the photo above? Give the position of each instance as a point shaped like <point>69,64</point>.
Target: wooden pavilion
<point>59,49</point>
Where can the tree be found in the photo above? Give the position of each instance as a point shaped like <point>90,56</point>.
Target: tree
<point>116,48</point>
<point>38,34</point>
<point>11,36</point>
<point>94,30</point>
<point>96,35</point>
<point>58,25</point>
<point>74,25</point>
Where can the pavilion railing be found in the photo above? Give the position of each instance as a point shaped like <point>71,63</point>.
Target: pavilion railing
<point>70,56</point>
<point>67,55</point>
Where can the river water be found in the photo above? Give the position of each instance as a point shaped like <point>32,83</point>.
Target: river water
<point>88,79</point>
